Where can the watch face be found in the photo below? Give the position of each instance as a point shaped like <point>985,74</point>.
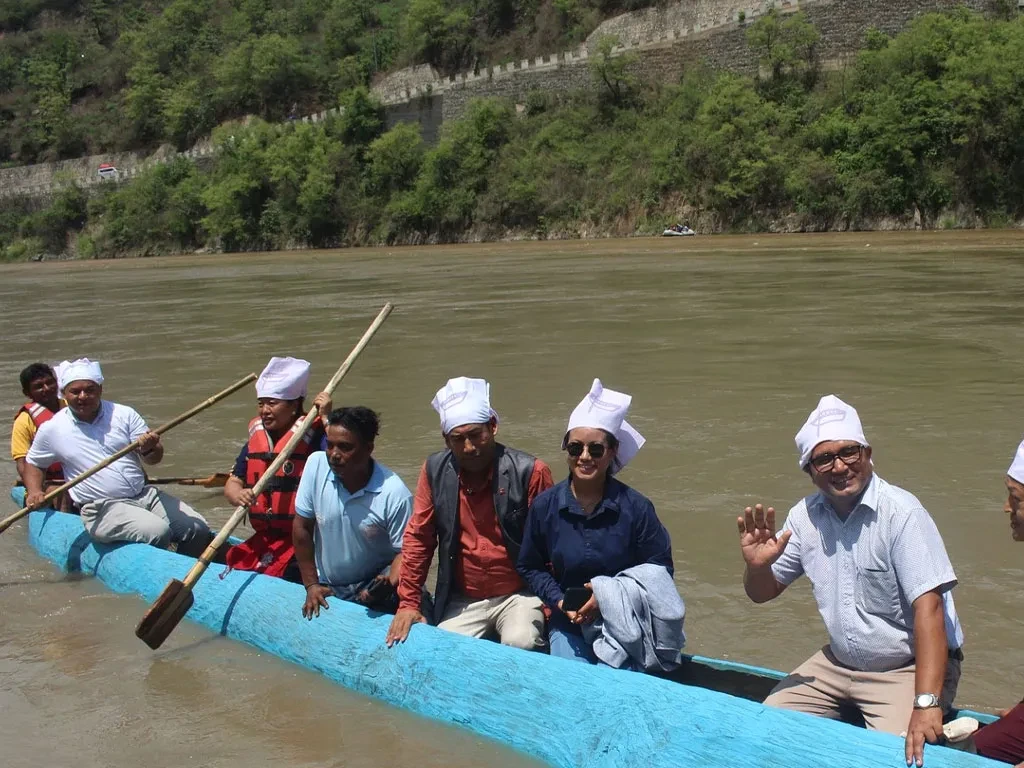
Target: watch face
<point>925,700</point>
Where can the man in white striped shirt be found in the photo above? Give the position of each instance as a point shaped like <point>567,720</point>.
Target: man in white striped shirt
<point>882,581</point>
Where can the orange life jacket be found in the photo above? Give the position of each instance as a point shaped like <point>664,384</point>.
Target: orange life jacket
<point>270,549</point>
<point>274,508</point>
<point>40,414</point>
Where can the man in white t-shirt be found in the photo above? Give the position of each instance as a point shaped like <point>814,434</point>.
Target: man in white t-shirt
<point>116,504</point>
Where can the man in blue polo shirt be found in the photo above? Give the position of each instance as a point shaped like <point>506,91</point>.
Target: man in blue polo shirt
<point>350,515</point>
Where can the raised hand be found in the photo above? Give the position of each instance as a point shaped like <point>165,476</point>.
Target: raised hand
<point>758,542</point>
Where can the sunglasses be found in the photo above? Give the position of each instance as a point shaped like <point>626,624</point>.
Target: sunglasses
<point>596,450</point>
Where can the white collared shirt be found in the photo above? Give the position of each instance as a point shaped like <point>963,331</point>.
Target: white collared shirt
<point>81,445</point>
<point>867,571</point>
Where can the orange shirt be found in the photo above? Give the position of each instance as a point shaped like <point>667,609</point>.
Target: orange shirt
<point>483,567</point>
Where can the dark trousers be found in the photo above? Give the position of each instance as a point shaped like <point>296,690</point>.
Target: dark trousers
<point>1004,739</point>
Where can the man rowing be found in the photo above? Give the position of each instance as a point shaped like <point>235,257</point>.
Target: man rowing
<point>39,385</point>
<point>471,502</point>
<point>882,581</point>
<point>350,515</point>
<point>116,504</point>
<point>280,399</point>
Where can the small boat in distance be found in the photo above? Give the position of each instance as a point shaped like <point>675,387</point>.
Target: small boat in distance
<point>678,230</point>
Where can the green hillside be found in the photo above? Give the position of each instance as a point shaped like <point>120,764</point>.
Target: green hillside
<point>929,124</point>
<point>82,77</point>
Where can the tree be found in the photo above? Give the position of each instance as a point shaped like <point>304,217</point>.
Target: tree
<point>188,112</point>
<point>393,160</point>
<point>264,75</point>
<point>438,35</point>
<point>786,49</point>
<point>362,118</point>
<point>613,71</point>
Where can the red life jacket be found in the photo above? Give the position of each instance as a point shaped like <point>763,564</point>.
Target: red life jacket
<point>40,414</point>
<point>270,549</point>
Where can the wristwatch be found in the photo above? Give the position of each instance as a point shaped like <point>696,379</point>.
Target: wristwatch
<point>926,701</point>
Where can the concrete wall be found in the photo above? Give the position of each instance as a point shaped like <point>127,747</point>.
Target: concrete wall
<point>666,41</point>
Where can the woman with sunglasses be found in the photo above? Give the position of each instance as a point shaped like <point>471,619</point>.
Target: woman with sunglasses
<point>590,524</point>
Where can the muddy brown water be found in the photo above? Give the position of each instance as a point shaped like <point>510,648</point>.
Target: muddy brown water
<point>724,343</point>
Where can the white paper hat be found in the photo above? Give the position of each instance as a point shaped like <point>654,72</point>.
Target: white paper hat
<point>1016,470</point>
<point>831,420</point>
<point>284,378</point>
<point>463,401</point>
<point>82,369</point>
<point>58,372</point>
<point>606,409</point>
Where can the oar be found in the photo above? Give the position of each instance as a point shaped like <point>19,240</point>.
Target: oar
<point>9,521</point>
<point>216,480</point>
<point>173,603</point>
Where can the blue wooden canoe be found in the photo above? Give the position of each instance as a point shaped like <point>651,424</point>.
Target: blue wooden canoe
<point>563,712</point>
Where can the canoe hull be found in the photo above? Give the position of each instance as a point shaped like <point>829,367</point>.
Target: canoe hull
<point>563,712</point>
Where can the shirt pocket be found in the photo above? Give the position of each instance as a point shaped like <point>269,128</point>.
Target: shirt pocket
<point>877,592</point>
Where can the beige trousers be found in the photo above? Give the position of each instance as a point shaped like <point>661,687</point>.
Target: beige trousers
<point>886,699</point>
<point>154,517</point>
<point>517,619</point>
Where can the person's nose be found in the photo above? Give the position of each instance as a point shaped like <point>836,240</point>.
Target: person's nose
<point>1008,507</point>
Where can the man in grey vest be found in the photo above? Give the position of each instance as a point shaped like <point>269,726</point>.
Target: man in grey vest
<point>470,503</point>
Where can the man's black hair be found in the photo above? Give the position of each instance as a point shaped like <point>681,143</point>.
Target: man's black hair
<point>33,372</point>
<point>357,419</point>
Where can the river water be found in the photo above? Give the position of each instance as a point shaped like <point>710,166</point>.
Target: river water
<point>724,343</point>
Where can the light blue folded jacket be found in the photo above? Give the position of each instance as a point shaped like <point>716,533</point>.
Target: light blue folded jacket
<point>641,624</point>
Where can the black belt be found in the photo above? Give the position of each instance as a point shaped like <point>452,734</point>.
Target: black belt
<point>954,654</point>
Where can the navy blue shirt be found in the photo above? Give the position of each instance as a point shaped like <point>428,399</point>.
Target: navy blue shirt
<point>621,532</point>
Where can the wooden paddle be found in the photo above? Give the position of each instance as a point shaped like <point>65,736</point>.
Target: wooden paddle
<point>216,480</point>
<point>173,603</point>
<point>9,521</point>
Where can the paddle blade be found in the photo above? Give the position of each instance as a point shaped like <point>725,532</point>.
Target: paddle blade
<point>218,480</point>
<point>165,613</point>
